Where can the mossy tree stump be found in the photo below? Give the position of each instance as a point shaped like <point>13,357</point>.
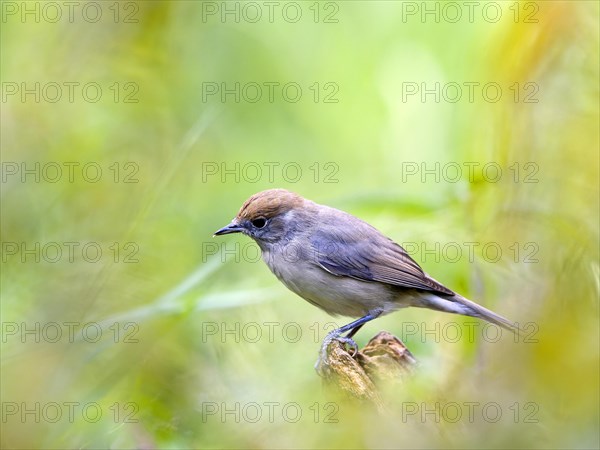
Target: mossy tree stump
<point>384,358</point>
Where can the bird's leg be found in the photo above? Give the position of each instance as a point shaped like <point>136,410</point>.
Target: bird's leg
<point>348,339</point>
<point>354,330</point>
<point>336,334</point>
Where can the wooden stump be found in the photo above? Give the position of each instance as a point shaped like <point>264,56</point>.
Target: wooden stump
<point>385,357</point>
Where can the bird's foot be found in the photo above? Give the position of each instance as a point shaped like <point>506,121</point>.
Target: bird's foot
<point>351,348</point>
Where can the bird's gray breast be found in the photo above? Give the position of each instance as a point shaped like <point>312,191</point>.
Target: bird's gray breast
<point>298,270</point>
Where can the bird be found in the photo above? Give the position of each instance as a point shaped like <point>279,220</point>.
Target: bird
<point>342,264</point>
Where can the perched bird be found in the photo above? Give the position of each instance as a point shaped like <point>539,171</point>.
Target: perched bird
<point>341,264</point>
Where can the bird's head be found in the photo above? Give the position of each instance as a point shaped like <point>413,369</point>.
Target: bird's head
<point>268,216</point>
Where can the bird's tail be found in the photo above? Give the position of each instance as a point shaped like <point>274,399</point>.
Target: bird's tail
<point>457,304</point>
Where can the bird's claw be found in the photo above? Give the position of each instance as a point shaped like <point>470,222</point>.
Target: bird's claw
<point>352,349</point>
<point>349,343</point>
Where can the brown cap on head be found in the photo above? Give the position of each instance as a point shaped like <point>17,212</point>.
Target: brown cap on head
<point>269,203</point>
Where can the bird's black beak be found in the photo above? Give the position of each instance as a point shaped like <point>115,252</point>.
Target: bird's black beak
<point>233,227</point>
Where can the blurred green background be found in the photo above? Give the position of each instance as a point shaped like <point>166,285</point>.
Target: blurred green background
<point>170,338</point>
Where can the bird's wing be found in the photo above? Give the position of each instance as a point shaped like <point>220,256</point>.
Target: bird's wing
<point>365,254</point>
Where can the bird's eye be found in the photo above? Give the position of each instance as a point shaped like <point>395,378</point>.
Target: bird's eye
<point>260,222</point>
